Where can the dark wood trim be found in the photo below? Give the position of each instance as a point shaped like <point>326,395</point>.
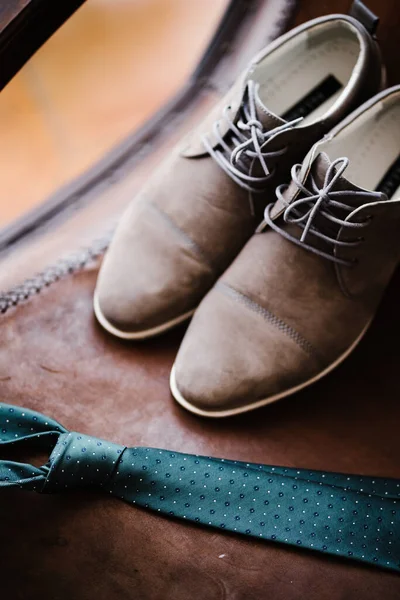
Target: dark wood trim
<point>24,26</point>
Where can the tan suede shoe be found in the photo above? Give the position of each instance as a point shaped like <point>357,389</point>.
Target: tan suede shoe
<point>303,291</point>
<point>204,202</point>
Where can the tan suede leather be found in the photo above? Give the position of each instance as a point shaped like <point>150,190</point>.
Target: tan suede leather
<point>282,315</point>
<point>191,219</point>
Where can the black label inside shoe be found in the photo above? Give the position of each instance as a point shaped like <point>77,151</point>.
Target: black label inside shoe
<point>390,182</point>
<point>318,95</point>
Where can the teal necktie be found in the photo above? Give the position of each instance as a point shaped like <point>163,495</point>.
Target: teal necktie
<point>344,515</point>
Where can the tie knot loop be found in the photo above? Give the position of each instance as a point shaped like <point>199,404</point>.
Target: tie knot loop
<point>80,460</point>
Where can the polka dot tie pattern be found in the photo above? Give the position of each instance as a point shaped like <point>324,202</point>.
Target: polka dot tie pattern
<point>351,516</point>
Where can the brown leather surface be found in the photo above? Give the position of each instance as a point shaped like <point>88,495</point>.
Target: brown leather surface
<point>54,358</point>
<point>82,546</point>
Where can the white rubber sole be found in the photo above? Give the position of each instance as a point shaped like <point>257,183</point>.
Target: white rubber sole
<point>242,409</point>
<point>137,335</point>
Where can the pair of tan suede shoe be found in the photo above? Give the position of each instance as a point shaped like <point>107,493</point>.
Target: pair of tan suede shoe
<point>277,305</point>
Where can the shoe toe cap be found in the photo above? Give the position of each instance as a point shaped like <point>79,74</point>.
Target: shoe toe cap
<point>150,276</point>
<point>233,359</point>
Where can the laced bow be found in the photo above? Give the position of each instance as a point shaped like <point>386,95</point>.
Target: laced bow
<point>321,202</point>
<point>248,135</point>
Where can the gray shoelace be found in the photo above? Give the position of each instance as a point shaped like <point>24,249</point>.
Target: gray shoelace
<point>247,138</point>
<point>325,202</point>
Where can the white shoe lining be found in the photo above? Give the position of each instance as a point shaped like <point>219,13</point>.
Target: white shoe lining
<point>292,71</point>
<point>371,142</point>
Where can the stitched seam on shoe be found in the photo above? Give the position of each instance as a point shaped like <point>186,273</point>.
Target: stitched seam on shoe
<point>271,318</point>
<point>189,242</point>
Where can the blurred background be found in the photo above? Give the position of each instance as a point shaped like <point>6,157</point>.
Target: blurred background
<point>95,81</point>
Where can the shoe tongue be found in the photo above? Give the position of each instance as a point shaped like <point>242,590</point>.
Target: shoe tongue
<point>268,119</point>
<point>323,225</point>
<point>318,171</point>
